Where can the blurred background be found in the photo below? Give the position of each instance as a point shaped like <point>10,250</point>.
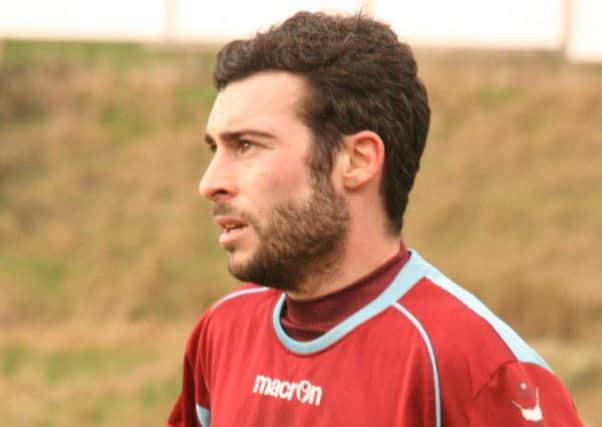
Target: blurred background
<point>108,254</point>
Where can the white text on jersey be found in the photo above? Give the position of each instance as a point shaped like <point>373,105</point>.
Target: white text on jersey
<point>303,391</point>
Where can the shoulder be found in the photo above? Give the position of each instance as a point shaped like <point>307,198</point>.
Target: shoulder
<point>247,293</point>
<point>241,302</point>
<point>469,342</point>
<point>522,394</point>
<point>483,369</point>
<point>227,312</point>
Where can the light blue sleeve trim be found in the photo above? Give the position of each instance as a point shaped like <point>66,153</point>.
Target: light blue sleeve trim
<point>431,353</point>
<point>236,295</point>
<point>204,416</point>
<point>521,350</point>
<point>411,273</point>
<point>415,269</point>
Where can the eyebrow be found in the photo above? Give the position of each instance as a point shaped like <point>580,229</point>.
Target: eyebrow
<point>238,135</point>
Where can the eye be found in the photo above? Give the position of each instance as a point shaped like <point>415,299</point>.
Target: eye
<point>244,145</point>
<point>212,147</point>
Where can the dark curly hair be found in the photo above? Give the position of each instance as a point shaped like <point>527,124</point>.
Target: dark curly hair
<point>360,78</point>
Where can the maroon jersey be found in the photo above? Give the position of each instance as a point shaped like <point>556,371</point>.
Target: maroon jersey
<point>424,352</point>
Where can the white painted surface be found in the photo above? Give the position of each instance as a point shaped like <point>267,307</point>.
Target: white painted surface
<point>511,24</point>
<point>476,23</point>
<point>235,18</point>
<point>586,22</point>
<point>82,19</point>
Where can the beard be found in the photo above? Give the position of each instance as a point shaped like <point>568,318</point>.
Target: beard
<point>298,240</point>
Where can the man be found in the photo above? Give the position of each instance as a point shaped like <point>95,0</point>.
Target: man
<point>316,134</point>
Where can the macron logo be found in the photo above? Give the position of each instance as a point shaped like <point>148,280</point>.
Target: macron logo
<point>303,391</point>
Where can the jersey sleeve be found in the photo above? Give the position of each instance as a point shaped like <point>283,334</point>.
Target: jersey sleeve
<point>524,394</point>
<point>183,413</point>
<point>192,407</point>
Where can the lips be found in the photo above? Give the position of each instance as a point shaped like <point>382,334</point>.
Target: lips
<point>232,229</point>
<point>228,223</point>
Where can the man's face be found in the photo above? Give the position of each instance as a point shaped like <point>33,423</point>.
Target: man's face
<point>280,222</point>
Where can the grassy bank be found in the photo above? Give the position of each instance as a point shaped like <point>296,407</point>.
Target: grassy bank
<point>107,253</point>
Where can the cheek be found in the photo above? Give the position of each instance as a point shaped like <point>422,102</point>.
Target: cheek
<point>281,180</point>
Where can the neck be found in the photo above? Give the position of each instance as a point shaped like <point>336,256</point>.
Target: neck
<point>359,256</point>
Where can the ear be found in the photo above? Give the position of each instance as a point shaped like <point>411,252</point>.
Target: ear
<point>365,155</point>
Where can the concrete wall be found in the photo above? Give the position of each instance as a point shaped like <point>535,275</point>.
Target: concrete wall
<point>568,25</point>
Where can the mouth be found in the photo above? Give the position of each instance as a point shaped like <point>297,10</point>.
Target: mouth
<point>232,229</point>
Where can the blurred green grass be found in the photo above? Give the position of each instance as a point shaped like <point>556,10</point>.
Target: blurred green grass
<point>77,375</point>
<point>101,223</point>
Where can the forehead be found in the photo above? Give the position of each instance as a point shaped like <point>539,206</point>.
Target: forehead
<point>267,101</point>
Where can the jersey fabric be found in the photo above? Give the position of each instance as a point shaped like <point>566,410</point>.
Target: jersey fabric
<point>306,320</point>
<point>424,352</point>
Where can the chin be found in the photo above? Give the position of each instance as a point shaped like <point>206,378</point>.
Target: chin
<point>237,261</point>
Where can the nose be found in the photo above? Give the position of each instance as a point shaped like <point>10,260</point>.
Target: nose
<point>218,181</point>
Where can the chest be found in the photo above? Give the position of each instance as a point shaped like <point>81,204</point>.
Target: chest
<point>369,377</point>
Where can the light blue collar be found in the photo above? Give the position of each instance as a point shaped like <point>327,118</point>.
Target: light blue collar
<point>411,272</point>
